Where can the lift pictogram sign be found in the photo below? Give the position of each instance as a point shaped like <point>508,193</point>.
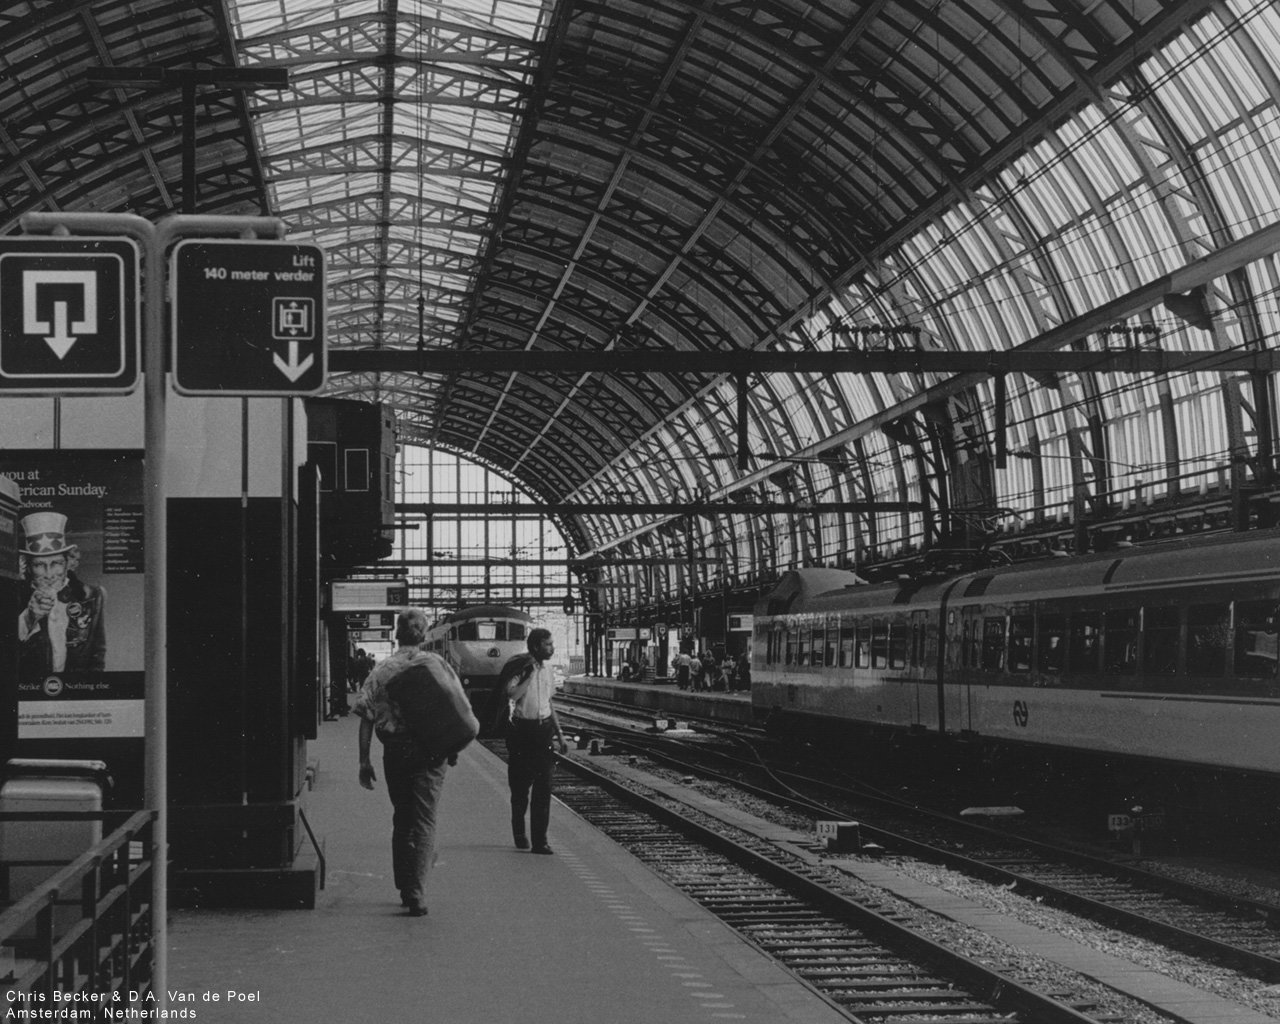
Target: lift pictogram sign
<point>248,318</point>
<point>69,315</point>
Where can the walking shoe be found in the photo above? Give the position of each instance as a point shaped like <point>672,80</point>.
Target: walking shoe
<point>418,911</point>
<point>544,848</point>
<point>522,842</point>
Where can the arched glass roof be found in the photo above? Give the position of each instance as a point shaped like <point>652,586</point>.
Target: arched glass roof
<point>671,179</point>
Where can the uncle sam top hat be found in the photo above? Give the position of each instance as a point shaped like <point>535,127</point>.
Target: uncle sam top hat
<point>45,533</point>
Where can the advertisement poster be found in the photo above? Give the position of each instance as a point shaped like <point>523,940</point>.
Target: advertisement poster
<point>80,619</point>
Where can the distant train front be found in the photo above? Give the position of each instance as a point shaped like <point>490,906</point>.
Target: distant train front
<point>477,641</point>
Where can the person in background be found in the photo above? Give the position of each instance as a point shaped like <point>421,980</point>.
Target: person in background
<point>710,672</point>
<point>414,777</point>
<point>681,665</point>
<point>528,682</point>
<point>743,680</point>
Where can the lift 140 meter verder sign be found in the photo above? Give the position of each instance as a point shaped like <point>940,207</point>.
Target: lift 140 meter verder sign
<point>248,318</point>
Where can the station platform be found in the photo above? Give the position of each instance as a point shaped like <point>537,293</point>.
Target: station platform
<point>588,936</point>
<point>665,697</point>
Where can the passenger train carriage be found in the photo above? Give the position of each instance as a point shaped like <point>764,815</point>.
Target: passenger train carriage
<point>1167,654</point>
<point>477,641</point>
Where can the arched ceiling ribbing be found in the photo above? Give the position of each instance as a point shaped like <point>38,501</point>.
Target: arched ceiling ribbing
<point>717,175</point>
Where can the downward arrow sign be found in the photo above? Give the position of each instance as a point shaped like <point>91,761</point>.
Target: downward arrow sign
<point>293,369</point>
<point>60,341</point>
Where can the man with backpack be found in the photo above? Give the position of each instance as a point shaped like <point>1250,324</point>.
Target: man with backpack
<point>527,682</point>
<point>415,703</point>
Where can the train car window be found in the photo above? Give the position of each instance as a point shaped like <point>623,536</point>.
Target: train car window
<point>969,643</point>
<point>515,631</point>
<point>488,631</point>
<point>879,644</point>
<point>846,645</point>
<point>1020,627</point>
<point>862,653</point>
<point>1257,649</point>
<point>1160,634</point>
<point>833,648</point>
<point>818,643</point>
<point>1052,656</point>
<point>1208,633</point>
<point>993,644</point>
<point>898,645</point>
<point>1120,629</point>
<point>1086,632</point>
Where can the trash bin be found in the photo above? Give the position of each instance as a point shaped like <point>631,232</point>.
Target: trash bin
<point>32,851</point>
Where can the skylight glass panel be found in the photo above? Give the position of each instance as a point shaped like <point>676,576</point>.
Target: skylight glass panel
<point>462,67</point>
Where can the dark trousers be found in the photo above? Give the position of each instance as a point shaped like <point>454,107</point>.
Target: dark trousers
<point>530,761</point>
<point>414,782</point>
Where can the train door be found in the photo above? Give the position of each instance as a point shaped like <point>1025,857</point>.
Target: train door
<point>924,710</point>
<point>964,667</point>
<point>947,657</point>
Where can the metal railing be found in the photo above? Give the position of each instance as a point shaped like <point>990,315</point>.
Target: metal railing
<point>85,932</point>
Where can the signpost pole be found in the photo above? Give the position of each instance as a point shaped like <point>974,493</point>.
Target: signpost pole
<point>155,534</point>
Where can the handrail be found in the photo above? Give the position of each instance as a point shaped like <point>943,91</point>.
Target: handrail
<point>107,945</point>
<point>14,917</point>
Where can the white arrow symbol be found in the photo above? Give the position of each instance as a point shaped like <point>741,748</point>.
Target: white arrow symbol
<point>60,341</point>
<point>293,369</point>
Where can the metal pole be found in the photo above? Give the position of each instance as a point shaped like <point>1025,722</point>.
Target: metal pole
<point>188,144</point>
<point>155,535</point>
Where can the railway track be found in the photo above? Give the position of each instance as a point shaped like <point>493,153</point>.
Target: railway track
<point>875,969</point>
<point>1203,922</point>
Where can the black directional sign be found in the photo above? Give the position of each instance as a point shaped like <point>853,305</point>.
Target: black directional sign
<point>69,315</point>
<point>248,318</point>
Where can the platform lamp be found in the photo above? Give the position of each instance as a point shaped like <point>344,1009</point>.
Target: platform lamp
<point>188,79</point>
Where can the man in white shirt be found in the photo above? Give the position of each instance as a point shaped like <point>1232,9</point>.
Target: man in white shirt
<point>528,682</point>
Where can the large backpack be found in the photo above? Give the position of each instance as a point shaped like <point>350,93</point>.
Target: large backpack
<point>431,702</point>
